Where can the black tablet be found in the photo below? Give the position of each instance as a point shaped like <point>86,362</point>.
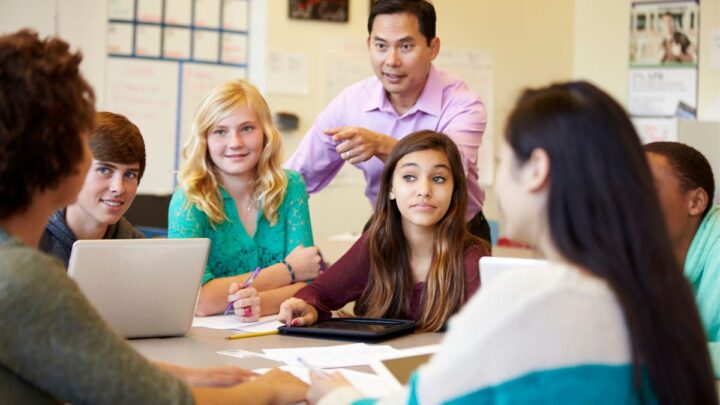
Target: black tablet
<point>374,329</point>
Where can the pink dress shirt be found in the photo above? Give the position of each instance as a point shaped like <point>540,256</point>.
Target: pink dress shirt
<point>445,105</point>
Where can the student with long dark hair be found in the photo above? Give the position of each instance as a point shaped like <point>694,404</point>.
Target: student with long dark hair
<point>417,260</point>
<point>610,319</point>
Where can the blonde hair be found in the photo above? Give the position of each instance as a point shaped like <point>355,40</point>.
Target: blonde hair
<point>198,175</point>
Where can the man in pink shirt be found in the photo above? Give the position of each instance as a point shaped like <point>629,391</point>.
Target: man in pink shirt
<point>407,94</point>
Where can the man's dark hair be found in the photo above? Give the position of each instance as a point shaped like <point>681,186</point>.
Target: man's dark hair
<point>691,167</point>
<point>422,9</point>
<point>45,108</point>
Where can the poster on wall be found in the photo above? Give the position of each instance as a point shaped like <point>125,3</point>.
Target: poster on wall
<point>663,59</point>
<point>323,10</point>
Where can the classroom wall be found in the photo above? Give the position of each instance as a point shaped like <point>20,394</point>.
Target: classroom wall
<point>532,42</point>
<point>601,33</point>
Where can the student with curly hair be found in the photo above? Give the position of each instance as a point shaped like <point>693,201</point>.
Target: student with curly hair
<point>54,347</point>
<point>235,192</point>
<point>109,189</point>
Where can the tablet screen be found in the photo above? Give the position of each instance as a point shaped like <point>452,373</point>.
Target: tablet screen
<point>351,326</point>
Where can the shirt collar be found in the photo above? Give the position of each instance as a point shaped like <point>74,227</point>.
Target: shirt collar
<point>224,194</point>
<point>430,100</point>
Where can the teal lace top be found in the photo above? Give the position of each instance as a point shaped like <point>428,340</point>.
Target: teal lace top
<point>232,250</point>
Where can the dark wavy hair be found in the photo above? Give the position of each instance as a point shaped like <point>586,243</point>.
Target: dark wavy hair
<point>691,167</point>
<point>422,9</point>
<point>390,284</point>
<point>604,216</point>
<point>45,107</point>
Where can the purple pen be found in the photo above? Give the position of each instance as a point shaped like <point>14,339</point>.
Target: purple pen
<point>323,266</point>
<point>248,283</point>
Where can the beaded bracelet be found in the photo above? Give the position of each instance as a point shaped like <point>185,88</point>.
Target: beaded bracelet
<point>290,270</point>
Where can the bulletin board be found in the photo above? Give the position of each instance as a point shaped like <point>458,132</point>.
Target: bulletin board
<point>163,56</point>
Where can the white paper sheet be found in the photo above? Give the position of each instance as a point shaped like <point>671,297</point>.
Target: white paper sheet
<point>206,46</point>
<point>147,41</point>
<point>235,15</point>
<point>178,12</point>
<point>177,43</point>
<point>232,322</point>
<point>356,354</point>
<point>370,385</point>
<point>207,13</point>
<point>234,48</point>
<point>240,354</point>
<point>120,38</point>
<point>149,10</point>
<point>121,9</point>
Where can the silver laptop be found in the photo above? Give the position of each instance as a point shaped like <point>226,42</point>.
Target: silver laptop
<point>492,266</point>
<point>141,287</point>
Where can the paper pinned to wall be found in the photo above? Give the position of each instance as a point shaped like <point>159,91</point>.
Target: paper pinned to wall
<point>121,9</point>
<point>139,89</point>
<point>476,69</point>
<point>287,73</point>
<point>178,12</point>
<point>651,129</point>
<point>715,48</point>
<point>197,80</point>
<point>149,10</point>
<point>344,62</point>
<point>120,38</point>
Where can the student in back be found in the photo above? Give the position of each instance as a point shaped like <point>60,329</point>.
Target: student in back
<point>234,191</point>
<point>417,260</point>
<point>685,186</point>
<point>610,319</point>
<point>54,347</point>
<point>109,189</point>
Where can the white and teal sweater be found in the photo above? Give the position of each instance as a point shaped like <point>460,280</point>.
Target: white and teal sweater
<point>541,335</point>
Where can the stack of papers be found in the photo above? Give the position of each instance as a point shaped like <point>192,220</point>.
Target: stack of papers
<point>331,356</point>
<point>371,385</point>
<point>232,322</point>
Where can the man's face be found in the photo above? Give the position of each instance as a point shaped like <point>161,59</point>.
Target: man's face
<point>400,55</point>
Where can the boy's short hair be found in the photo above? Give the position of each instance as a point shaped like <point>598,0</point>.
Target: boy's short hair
<point>116,139</point>
<point>46,108</point>
<point>691,167</point>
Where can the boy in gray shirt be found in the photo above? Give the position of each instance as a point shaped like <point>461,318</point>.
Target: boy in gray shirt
<point>108,191</point>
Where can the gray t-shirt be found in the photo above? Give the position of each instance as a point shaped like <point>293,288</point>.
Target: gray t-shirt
<point>58,238</point>
<point>55,348</point>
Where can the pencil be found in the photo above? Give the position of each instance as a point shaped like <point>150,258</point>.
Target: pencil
<point>253,334</point>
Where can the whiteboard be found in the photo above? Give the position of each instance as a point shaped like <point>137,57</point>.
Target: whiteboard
<point>162,57</point>
<point>161,98</point>
<point>146,92</point>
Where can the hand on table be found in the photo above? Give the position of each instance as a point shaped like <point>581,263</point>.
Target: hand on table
<point>208,377</point>
<point>323,384</point>
<point>296,312</point>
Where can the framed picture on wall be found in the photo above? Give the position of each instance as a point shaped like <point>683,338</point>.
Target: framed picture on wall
<point>323,10</point>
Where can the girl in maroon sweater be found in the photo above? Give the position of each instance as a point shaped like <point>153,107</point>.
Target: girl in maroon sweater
<point>417,260</point>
